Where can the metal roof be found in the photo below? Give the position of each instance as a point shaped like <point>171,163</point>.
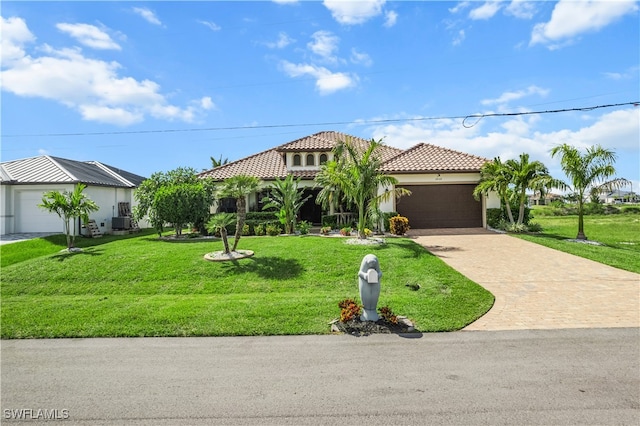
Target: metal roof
<point>48,169</point>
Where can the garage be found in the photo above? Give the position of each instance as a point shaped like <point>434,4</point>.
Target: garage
<point>31,218</point>
<point>441,206</point>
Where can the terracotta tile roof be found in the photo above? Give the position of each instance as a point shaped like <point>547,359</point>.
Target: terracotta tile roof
<point>268,165</point>
<point>430,158</point>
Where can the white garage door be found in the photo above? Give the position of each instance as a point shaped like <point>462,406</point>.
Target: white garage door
<point>31,218</point>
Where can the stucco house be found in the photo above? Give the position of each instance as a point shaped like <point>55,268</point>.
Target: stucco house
<point>23,183</point>
<point>441,180</point>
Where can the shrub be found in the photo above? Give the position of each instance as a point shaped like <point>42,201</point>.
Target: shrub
<point>259,229</point>
<point>387,218</point>
<point>325,230</point>
<point>273,229</point>
<point>246,230</point>
<point>368,232</point>
<point>494,216</point>
<point>330,220</point>
<point>349,310</point>
<point>346,231</point>
<point>387,314</point>
<point>516,228</point>
<point>303,227</point>
<point>593,208</point>
<point>534,227</point>
<point>631,209</point>
<point>399,225</point>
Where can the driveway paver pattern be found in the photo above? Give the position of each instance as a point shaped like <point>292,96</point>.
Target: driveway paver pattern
<point>536,287</point>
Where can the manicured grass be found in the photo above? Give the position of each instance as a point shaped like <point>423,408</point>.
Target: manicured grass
<point>620,233</point>
<point>145,287</point>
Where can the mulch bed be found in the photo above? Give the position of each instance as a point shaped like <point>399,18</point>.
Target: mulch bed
<point>358,328</point>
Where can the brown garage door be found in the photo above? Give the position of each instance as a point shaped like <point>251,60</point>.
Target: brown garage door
<point>441,206</point>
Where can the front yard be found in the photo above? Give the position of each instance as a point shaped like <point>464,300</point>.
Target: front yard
<point>142,286</point>
<point>620,234</point>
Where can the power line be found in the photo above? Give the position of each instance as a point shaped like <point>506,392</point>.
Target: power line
<point>332,123</point>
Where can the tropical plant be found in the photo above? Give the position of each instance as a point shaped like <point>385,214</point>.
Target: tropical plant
<point>532,175</point>
<point>495,176</point>
<point>355,172</point>
<point>399,225</point>
<point>239,187</point>
<point>286,196</point>
<point>218,223</point>
<point>69,206</point>
<point>149,189</point>
<point>180,204</point>
<point>218,162</point>
<point>588,172</point>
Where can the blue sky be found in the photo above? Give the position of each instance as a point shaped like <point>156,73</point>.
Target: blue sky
<point>152,86</point>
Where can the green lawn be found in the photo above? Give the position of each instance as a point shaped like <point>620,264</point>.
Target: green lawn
<point>141,286</point>
<point>620,233</point>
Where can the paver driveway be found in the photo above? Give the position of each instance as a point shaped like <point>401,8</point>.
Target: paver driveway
<point>536,287</point>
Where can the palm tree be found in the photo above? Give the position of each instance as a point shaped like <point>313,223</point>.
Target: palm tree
<point>219,222</point>
<point>529,175</point>
<point>495,176</point>
<point>218,162</point>
<point>287,198</point>
<point>587,172</point>
<point>69,206</point>
<point>239,187</point>
<point>358,177</point>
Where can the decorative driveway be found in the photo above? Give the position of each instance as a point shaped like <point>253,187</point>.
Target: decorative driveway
<point>536,287</point>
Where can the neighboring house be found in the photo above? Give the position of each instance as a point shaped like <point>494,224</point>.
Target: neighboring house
<point>535,199</point>
<point>24,182</point>
<point>618,197</point>
<point>441,180</point>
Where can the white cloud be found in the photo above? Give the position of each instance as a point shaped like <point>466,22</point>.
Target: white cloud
<point>459,38</point>
<point>92,87</point>
<point>629,73</point>
<point>15,35</point>
<point>148,15</point>
<point>327,82</point>
<point>324,44</point>
<point>361,58</point>
<point>521,9</point>
<point>570,19</point>
<point>618,130</point>
<point>486,11</point>
<point>460,6</point>
<point>89,35</point>
<point>354,12</point>
<point>206,103</point>
<point>391,18</point>
<point>513,96</point>
<point>211,25</point>
<point>283,41</point>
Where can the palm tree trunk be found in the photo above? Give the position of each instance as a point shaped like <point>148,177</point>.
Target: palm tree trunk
<point>507,207</point>
<point>223,234</point>
<point>67,233</point>
<point>581,235</point>
<point>241,205</point>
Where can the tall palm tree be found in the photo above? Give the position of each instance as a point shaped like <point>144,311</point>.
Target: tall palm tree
<point>587,172</point>
<point>495,176</point>
<point>69,206</point>
<point>358,177</point>
<point>532,175</point>
<point>286,196</point>
<point>239,187</point>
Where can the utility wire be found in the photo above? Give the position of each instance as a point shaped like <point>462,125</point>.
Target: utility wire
<point>464,118</point>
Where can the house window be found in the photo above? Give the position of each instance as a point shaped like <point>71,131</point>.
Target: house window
<point>310,160</point>
<point>323,158</point>
<point>297,161</point>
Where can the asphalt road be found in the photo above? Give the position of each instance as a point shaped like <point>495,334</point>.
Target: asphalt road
<point>551,377</point>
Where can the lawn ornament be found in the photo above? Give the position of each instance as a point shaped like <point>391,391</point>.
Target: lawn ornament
<point>369,285</point>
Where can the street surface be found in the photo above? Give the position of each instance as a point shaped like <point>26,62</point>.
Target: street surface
<point>551,377</point>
